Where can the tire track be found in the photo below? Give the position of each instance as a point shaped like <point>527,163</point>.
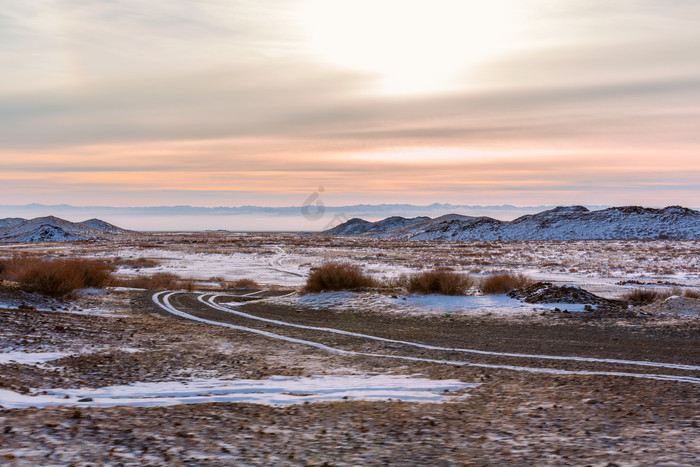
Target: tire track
<point>276,264</point>
<point>210,302</point>
<point>162,299</point>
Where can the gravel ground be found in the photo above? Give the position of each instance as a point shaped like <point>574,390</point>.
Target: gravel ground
<point>510,418</point>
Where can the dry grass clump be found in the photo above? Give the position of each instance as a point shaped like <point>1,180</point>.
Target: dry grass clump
<point>56,278</point>
<point>157,281</point>
<point>92,273</point>
<point>644,296</point>
<point>248,284</point>
<point>438,281</point>
<point>504,282</point>
<point>138,263</point>
<point>693,293</point>
<point>337,276</point>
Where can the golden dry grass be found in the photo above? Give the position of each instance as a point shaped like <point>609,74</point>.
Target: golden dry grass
<point>248,284</point>
<point>504,282</point>
<point>58,277</point>
<point>157,281</point>
<point>438,281</point>
<point>337,276</point>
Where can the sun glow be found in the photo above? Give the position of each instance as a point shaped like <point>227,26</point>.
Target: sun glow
<point>411,46</point>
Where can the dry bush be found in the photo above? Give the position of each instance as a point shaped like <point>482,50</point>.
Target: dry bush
<point>240,284</point>
<point>503,283</point>
<point>53,279</point>
<point>138,263</point>
<point>438,281</point>
<point>92,273</point>
<point>57,278</point>
<point>644,296</point>
<point>157,281</point>
<point>694,293</point>
<point>337,276</point>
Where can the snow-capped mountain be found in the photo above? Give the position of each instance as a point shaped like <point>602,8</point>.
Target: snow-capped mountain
<point>561,223</point>
<point>54,229</point>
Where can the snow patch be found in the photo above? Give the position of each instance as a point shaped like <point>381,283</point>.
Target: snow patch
<point>423,304</point>
<point>30,358</point>
<point>278,391</point>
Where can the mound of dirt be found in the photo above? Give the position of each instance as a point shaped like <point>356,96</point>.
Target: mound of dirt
<point>546,292</point>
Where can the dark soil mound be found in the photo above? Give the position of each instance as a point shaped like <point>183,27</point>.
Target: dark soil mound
<point>546,292</point>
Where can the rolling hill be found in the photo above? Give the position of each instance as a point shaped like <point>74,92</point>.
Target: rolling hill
<point>561,223</point>
<point>54,229</point>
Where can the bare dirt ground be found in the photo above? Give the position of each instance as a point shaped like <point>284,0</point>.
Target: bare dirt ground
<point>587,414</point>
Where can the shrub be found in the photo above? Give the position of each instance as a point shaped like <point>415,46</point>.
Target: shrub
<point>138,263</point>
<point>692,293</point>
<point>337,276</point>
<point>57,278</point>
<point>503,283</point>
<point>439,281</point>
<point>643,296</point>
<point>157,281</point>
<point>92,273</point>
<point>50,278</point>
<point>240,284</point>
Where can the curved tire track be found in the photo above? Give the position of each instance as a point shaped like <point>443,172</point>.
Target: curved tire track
<point>162,299</point>
<point>210,302</point>
<point>276,263</point>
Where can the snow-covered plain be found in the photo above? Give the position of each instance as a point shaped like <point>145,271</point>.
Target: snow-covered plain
<point>266,269</point>
<point>607,268</point>
<point>585,263</point>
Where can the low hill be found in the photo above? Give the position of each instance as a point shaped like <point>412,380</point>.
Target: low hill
<point>358,226</point>
<point>103,226</point>
<point>54,229</point>
<point>561,223</point>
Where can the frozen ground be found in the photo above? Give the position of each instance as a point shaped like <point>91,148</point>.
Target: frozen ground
<point>112,378</point>
<point>602,267</point>
<point>430,305</point>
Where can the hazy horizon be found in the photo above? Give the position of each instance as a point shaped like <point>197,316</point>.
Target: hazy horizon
<point>288,218</point>
<point>311,218</point>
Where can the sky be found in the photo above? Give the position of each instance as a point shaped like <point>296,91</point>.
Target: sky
<point>248,102</point>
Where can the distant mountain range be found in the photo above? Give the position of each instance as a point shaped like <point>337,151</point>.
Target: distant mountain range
<point>54,229</point>
<point>313,218</point>
<point>561,223</point>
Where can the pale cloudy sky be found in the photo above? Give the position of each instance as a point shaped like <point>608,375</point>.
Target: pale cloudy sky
<point>234,102</point>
